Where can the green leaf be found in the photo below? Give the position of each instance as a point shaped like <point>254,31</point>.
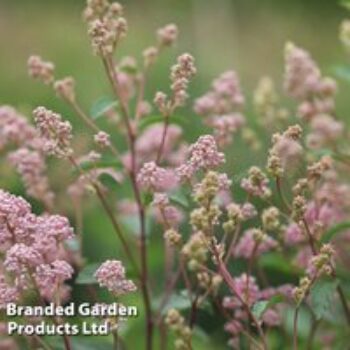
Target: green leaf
<point>277,262</point>
<point>261,306</point>
<point>101,106</point>
<point>102,163</point>
<point>86,275</point>
<point>328,236</point>
<point>174,119</point>
<point>179,197</point>
<point>342,71</point>
<point>322,294</point>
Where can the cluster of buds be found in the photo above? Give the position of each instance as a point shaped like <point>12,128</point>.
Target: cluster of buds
<point>33,254</point>
<point>209,187</point>
<point>298,208</point>
<point>172,237</point>
<point>285,151</point>
<point>41,70</point>
<point>234,217</point>
<point>167,35</point>
<point>111,275</point>
<point>195,251</point>
<point>151,177</point>
<point>65,88</point>
<point>304,82</point>
<point>183,333</point>
<point>302,290</point>
<point>256,184</point>
<point>106,25</point>
<point>321,264</point>
<point>219,107</point>
<point>271,219</point>
<point>318,169</point>
<point>301,187</point>
<point>209,282</point>
<point>203,155</point>
<point>102,139</point>
<point>181,73</point>
<point>266,103</point>
<point>55,132</point>
<point>207,215</point>
<point>169,216</point>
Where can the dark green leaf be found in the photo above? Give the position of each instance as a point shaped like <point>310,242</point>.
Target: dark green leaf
<point>277,262</point>
<point>101,106</point>
<point>322,294</point>
<point>328,236</point>
<point>174,119</point>
<point>86,275</point>
<point>261,306</point>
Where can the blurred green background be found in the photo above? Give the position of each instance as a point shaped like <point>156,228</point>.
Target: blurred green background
<point>245,35</point>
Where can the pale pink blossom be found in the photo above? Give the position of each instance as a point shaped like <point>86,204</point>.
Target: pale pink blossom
<point>111,275</point>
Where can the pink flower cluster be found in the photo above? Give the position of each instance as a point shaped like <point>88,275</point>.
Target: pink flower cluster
<point>154,178</point>
<point>203,154</point>
<point>15,130</point>
<point>111,275</point>
<point>247,291</point>
<point>248,245</point>
<point>33,248</point>
<point>304,82</point>
<point>55,132</point>
<point>219,106</point>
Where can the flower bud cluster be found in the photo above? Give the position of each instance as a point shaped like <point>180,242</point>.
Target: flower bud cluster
<point>256,184</point>
<point>271,219</point>
<point>195,251</point>
<point>180,76</point>
<point>286,150</point>
<point>167,35</point>
<point>203,155</point>
<point>321,264</point>
<point>33,251</point>
<point>55,132</point>
<point>111,275</point>
<point>298,208</point>
<point>302,290</point>
<point>183,333</point>
<point>65,88</point>
<point>266,103</point>
<point>235,215</point>
<point>106,25</point>
<point>219,107</point>
<point>102,139</point>
<point>41,70</point>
